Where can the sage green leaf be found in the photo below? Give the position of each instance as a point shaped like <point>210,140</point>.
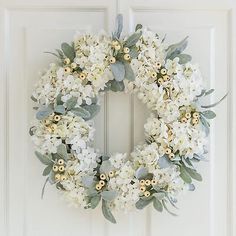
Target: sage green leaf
<point>202,93</point>
<point>109,195</point>
<point>187,163</point>
<point>68,51</point>
<point>106,167</point>
<point>45,159</point>
<point>107,212</point>
<point>134,53</point>
<point>60,109</point>
<point>175,49</point>
<point>209,114</point>
<point>79,111</point>
<point>133,39</point>
<point>70,104</point>
<point>51,177</point>
<point>94,201</point>
<point>129,74</point>
<point>138,27</point>
<point>159,195</point>
<point>119,26</point>
<point>58,99</point>
<point>157,205</point>
<point>62,152</point>
<point>117,86</point>
<point>47,170</point>
<point>118,70</point>
<point>183,58</point>
<point>209,92</point>
<point>205,124</point>
<point>164,205</point>
<point>141,172</point>
<point>92,192</point>
<point>215,104</point>
<point>44,112</point>
<point>185,175</point>
<point>88,181</point>
<point>164,162</point>
<point>33,98</point>
<point>194,174</point>
<point>141,203</point>
<point>93,110</point>
<point>44,185</point>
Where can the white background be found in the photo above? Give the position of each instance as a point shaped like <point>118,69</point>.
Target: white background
<point>27,28</point>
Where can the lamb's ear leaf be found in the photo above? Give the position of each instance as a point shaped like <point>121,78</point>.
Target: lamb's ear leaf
<point>119,26</point>
<point>193,174</point>
<point>141,172</point>
<point>107,212</point>
<point>118,70</point>
<point>60,109</point>
<point>94,201</point>
<point>68,51</point>
<point>62,152</point>
<point>175,49</point>
<point>93,110</point>
<point>47,170</point>
<point>70,104</point>
<point>185,175</point>
<point>58,99</point>
<point>133,39</point>
<point>209,114</point>
<point>88,181</point>
<point>157,205</point>
<point>80,111</point>
<point>129,74</point>
<point>205,124</point>
<point>117,86</point>
<point>138,27</point>
<point>183,58</point>
<point>109,195</point>
<point>141,203</point>
<point>45,159</point>
<point>106,167</point>
<point>164,162</point>
<point>44,112</point>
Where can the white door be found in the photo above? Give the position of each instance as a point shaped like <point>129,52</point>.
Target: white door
<point>30,27</point>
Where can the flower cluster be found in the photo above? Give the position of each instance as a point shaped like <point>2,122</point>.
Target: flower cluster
<point>67,97</point>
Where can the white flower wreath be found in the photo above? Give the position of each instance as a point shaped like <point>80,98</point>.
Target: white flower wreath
<point>67,97</point>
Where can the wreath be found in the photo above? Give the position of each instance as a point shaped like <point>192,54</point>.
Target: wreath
<point>67,98</point>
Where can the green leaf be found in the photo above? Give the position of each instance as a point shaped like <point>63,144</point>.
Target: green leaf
<point>109,195</point>
<point>164,162</point>
<point>134,53</point>
<point>209,92</point>
<point>106,167</point>
<point>205,124</point>
<point>133,39</point>
<point>68,51</point>
<point>94,201</point>
<point>129,74</point>
<point>118,70</point>
<point>117,86</point>
<point>209,114</point>
<point>45,159</point>
<point>141,203</point>
<point>79,111</point>
<point>43,189</point>
<point>215,104</point>
<point>62,152</point>
<point>47,170</point>
<point>183,58</point>
<point>175,49</point>
<point>44,112</point>
<point>138,27</point>
<point>93,110</point>
<point>185,175</point>
<point>51,177</point>
<point>58,99</point>
<point>141,172</point>
<point>60,109</point>
<point>157,205</point>
<point>107,212</point>
<point>159,195</point>
<point>33,98</point>
<point>119,26</point>
<point>88,180</point>
<point>194,174</point>
<point>70,104</point>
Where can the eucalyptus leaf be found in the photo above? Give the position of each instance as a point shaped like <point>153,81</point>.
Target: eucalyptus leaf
<point>44,112</point>
<point>141,172</point>
<point>129,74</point>
<point>51,177</point>
<point>157,205</point>
<point>81,112</point>
<point>117,86</point>
<point>118,70</point>
<point>88,180</point>
<point>109,195</point>
<point>47,170</point>
<point>62,152</point>
<point>164,162</point>
<point>134,53</point>
<point>141,203</point>
<point>94,201</point>
<point>60,109</point>
<point>194,174</point>
<point>185,175</point>
<point>93,110</point>
<point>209,114</point>
<point>45,159</point>
<point>175,49</point>
<point>133,39</point>
<point>119,26</point>
<point>107,212</point>
<point>183,58</point>
<point>106,167</point>
<point>70,104</point>
<point>68,51</point>
<point>215,104</point>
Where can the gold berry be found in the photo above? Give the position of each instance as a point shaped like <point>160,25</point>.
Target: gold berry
<point>102,176</point>
<point>195,115</point>
<point>188,115</point>
<point>163,71</point>
<point>166,78</point>
<point>82,75</point>
<point>158,64</point>
<point>114,43</point>
<point>160,81</point>
<point>154,74</point>
<point>57,177</point>
<point>112,60</point>
<point>63,178</point>
<point>153,182</point>
<point>142,182</point>
<point>147,194</point>
<point>117,47</point>
<point>98,187</point>
<point>111,174</point>
<point>56,118</point>
<point>67,70</point>
<point>171,155</point>
<point>184,120</point>
<point>53,127</point>
<point>61,168</point>
<point>67,61</point>
<point>143,188</point>
<point>147,182</point>
<point>195,121</point>
<point>60,162</point>
<point>126,50</point>
<point>101,183</point>
<point>127,57</point>
<point>167,151</point>
<point>73,65</point>
<point>55,168</point>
